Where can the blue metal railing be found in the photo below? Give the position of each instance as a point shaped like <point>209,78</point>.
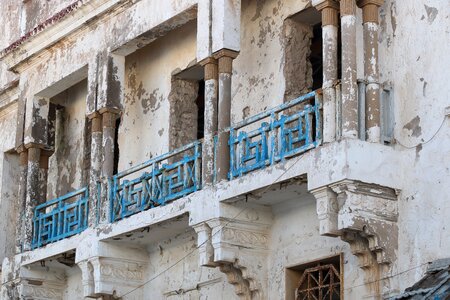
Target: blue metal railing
<point>164,178</point>
<point>276,134</point>
<point>60,218</point>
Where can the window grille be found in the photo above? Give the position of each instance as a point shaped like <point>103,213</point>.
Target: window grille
<point>322,282</point>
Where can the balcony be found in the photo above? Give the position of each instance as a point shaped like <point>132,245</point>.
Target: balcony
<point>60,218</point>
<point>265,139</point>
<point>164,178</point>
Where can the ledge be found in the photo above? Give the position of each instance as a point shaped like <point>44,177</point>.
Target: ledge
<point>45,38</point>
<point>350,159</point>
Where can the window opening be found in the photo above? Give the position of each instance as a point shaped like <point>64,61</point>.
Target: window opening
<point>116,147</point>
<point>201,110</point>
<point>316,280</point>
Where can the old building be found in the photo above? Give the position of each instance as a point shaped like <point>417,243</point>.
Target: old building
<point>224,149</point>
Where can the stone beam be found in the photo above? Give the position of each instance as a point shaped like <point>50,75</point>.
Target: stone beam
<point>226,25</point>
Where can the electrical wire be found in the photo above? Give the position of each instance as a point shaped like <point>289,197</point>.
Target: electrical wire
<point>199,246</point>
<point>424,143</point>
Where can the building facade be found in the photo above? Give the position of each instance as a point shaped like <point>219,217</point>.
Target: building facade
<point>224,149</point>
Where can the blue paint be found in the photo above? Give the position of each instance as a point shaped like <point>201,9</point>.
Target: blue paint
<point>284,136</point>
<point>160,182</point>
<point>60,218</point>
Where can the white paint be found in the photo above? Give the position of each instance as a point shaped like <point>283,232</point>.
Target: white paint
<point>420,174</point>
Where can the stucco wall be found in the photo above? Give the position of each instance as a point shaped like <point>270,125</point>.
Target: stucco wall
<point>196,282</point>
<point>67,164</point>
<point>412,54</point>
<point>145,120</point>
<point>9,172</point>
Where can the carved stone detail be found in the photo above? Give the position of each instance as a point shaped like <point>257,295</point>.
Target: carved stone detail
<point>365,216</point>
<point>41,292</point>
<point>110,276</point>
<point>239,249</point>
<point>35,283</point>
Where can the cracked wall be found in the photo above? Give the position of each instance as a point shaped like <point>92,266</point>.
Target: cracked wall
<point>297,69</point>
<point>183,113</point>
<point>9,173</point>
<point>296,241</point>
<point>67,166</point>
<point>187,280</point>
<point>148,86</point>
<point>420,96</point>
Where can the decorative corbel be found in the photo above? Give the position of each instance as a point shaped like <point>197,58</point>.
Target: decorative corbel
<point>239,249</point>
<point>363,215</point>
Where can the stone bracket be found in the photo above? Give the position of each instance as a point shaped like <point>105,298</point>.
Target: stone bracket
<point>348,208</point>
<point>35,283</point>
<point>239,249</point>
<point>112,270</point>
<point>365,216</point>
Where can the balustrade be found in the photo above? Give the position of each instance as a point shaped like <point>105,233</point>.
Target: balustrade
<point>276,134</point>
<point>164,178</point>
<point>60,218</point>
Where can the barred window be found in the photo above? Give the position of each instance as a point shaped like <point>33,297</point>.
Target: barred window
<point>322,282</point>
<point>315,280</point>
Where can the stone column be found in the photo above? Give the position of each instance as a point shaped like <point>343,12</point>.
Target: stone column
<point>225,58</point>
<point>371,70</point>
<point>22,194</point>
<point>109,117</point>
<point>329,10</point>
<point>43,174</point>
<point>32,193</point>
<point>211,89</point>
<point>349,83</point>
<point>96,166</point>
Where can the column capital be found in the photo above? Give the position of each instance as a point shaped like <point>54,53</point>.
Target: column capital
<point>225,58</point>
<point>362,3</point>
<point>96,119</point>
<point>348,7</point>
<point>211,68</point>
<point>225,52</point>
<point>112,110</point>
<point>329,10</point>
<point>34,145</point>
<point>370,10</point>
<point>322,4</point>
<point>207,61</point>
<point>93,115</point>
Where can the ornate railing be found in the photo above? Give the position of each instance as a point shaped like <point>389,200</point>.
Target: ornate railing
<point>60,218</point>
<point>276,134</point>
<point>164,178</point>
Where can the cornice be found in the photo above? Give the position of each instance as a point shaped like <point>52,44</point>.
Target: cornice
<point>9,95</point>
<point>35,44</point>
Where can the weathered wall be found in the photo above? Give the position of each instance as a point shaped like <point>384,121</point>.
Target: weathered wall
<point>74,287</point>
<point>295,241</point>
<point>9,18</point>
<point>183,112</point>
<point>9,168</point>
<point>67,164</point>
<point>148,85</point>
<point>419,93</point>
<point>34,13</point>
<point>412,55</point>
<point>197,282</point>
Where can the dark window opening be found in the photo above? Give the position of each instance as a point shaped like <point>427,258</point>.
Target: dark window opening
<point>316,57</point>
<point>200,101</point>
<point>116,147</point>
<point>319,280</point>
